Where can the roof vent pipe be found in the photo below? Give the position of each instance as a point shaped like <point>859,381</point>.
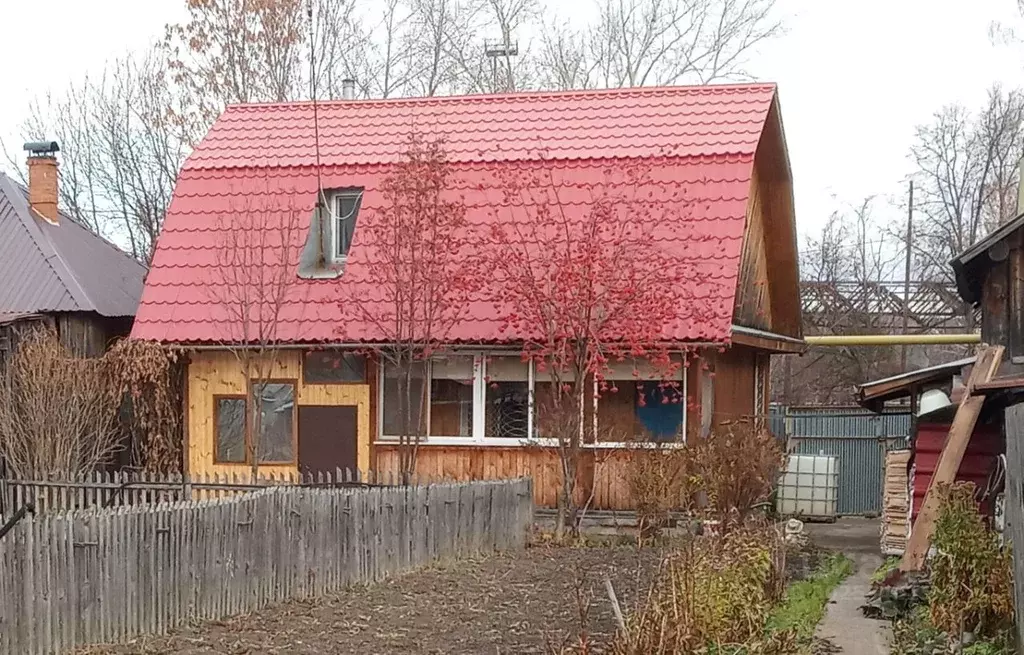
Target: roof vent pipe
<point>348,89</point>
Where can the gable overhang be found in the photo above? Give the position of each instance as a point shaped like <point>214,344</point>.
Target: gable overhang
<point>768,341</point>
<point>971,267</point>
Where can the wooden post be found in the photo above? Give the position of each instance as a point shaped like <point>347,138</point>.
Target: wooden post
<point>950,458</point>
<point>1015,505</point>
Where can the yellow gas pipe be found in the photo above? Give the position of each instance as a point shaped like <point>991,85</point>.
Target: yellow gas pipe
<point>891,339</point>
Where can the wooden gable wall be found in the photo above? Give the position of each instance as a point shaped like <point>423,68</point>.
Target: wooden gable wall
<point>768,291</point>
<point>1002,301</point>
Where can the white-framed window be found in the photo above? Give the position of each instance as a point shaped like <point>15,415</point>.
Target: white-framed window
<point>493,399</point>
<point>344,212</point>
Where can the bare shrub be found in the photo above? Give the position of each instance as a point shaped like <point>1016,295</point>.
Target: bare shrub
<point>972,572</point>
<point>738,468</point>
<point>722,477</point>
<point>149,377</point>
<point>713,592</point>
<point>57,412</point>
<point>660,481</point>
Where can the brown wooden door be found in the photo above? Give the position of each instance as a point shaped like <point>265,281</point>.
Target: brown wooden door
<point>327,438</point>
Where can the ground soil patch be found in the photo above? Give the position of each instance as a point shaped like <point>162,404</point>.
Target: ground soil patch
<point>513,603</point>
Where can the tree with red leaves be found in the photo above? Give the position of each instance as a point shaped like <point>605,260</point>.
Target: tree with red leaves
<point>424,274</point>
<point>587,282</point>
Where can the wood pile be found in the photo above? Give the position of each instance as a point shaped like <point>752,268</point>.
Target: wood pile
<point>896,503</point>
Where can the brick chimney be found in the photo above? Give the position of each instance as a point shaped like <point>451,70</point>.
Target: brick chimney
<point>42,179</point>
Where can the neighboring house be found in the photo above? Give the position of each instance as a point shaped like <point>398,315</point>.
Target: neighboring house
<point>55,271</point>
<point>330,406</point>
<point>990,278</point>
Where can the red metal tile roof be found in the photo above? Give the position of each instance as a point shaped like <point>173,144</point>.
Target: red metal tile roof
<point>704,139</point>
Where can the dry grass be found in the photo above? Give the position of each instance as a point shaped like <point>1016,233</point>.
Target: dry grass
<point>714,592</point>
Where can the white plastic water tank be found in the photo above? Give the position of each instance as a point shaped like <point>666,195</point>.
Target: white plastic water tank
<point>810,487</point>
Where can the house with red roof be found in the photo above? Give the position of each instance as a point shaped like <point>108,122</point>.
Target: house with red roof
<point>256,179</point>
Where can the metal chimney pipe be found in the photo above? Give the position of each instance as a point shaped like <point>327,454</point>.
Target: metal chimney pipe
<point>348,89</point>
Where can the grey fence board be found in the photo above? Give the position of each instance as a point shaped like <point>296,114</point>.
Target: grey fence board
<point>72,579</point>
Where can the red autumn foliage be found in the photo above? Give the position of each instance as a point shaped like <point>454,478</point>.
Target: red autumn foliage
<point>587,281</point>
<point>425,274</point>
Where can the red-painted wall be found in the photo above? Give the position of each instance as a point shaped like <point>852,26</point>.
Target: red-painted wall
<point>984,447</point>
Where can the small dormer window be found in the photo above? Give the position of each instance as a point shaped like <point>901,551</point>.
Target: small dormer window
<point>344,209</point>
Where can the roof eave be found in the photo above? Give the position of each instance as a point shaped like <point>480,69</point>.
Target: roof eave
<point>967,263</point>
<point>872,395</point>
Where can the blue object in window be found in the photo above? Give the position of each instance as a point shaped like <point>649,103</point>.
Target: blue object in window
<point>661,419</point>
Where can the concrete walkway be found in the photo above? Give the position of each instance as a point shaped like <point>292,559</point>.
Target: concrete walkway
<point>844,624</point>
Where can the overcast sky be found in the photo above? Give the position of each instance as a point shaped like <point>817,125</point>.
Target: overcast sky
<point>854,77</point>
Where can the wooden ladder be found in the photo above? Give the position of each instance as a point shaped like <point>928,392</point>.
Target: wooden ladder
<point>985,368</point>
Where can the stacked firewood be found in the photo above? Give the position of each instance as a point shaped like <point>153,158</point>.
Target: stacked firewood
<point>896,503</point>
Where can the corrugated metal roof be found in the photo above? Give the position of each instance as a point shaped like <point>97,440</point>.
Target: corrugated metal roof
<point>60,268</point>
<point>703,139</point>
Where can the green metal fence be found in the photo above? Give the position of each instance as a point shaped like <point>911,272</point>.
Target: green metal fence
<point>857,437</point>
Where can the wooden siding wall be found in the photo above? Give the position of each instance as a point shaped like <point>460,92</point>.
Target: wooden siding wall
<point>219,372</point>
<point>734,385</point>
<point>767,292</point>
<point>604,471</point>
<point>608,470</point>
<point>89,335</point>
<point>1002,304</point>
<point>753,298</point>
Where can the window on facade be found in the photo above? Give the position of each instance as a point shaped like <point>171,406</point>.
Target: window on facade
<point>451,396</point>
<point>393,423</point>
<point>660,411</point>
<point>346,211</point>
<point>507,398</point>
<point>276,421</point>
<point>549,418</point>
<point>639,405</point>
<point>229,427</point>
<point>333,367</point>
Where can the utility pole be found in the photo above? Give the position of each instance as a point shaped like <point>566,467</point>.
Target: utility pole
<point>906,276</point>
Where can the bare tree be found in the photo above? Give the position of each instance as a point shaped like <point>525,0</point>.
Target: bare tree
<point>425,274</point>
<point>237,51</point>
<point>599,291</point>
<point>843,271</point>
<point>120,149</point>
<point>58,413</point>
<point>641,42</point>
<point>255,285</point>
<point>965,177</point>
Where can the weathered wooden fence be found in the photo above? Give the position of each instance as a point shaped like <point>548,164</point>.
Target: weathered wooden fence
<point>105,489</point>
<point>71,579</point>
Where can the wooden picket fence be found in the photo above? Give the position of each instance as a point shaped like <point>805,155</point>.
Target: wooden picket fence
<point>71,579</point>
<point>57,493</point>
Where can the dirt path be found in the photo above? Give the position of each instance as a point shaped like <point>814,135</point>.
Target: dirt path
<point>500,605</point>
<point>844,624</point>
